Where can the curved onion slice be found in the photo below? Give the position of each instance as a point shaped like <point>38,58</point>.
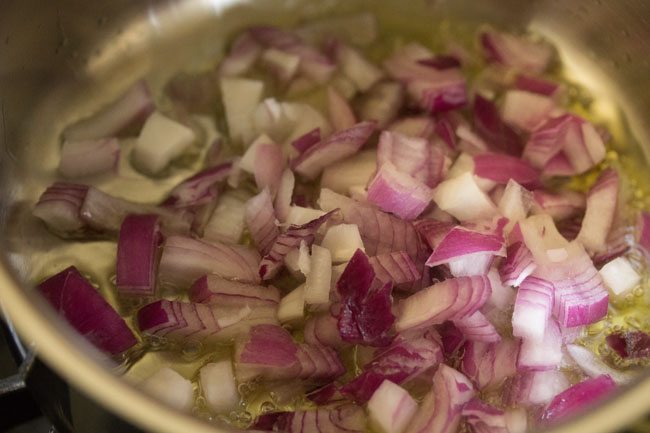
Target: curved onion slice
<point>488,364</point>
<point>578,397</point>
<point>440,411</point>
<point>518,265</point>
<point>185,259</point>
<point>476,327</point>
<point>76,300</point>
<point>398,193</point>
<point>533,308</point>
<point>452,299</point>
<point>222,293</point>
<point>397,268</point>
<point>503,168</point>
<point>602,202</point>
<point>261,222</point>
<point>323,330</point>
<point>198,189</point>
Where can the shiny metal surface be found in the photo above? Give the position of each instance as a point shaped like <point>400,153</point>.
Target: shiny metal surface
<point>61,59</point>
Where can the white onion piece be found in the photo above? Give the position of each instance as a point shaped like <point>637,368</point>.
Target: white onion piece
<point>542,353</point>
<point>462,198</point>
<point>476,327</point>
<point>248,160</point>
<point>240,98</point>
<point>170,387</point>
<point>421,126</point>
<point>227,222</point>
<point>343,240</point>
<point>130,108</point>
<point>280,64</point>
<point>292,306</point>
<point>514,204</point>
<point>353,171</point>
<point>594,366</point>
<point>619,276</point>
<point>285,194</point>
<point>218,386</point>
<point>298,261</point>
<point>535,387</point>
<point>464,163</point>
<point>382,103</point>
<point>88,157</point>
<point>270,119</point>
<point>317,284</point>
<point>243,54</point>
<point>299,215</point>
<point>304,119</point>
<point>161,141</point>
<point>339,110</point>
<point>526,110</point>
<point>261,222</point>
<point>391,408</point>
<point>532,308</point>
<point>602,202</point>
<point>357,68</point>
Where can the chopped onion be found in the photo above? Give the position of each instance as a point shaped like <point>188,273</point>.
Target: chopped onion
<point>463,199</point>
<point>540,86</point>
<point>532,308</point>
<point>643,232</point>
<point>221,293</point>
<point>307,140</point>
<point>292,306</point>
<point>261,222</point>
<point>240,97</point>
<point>593,366</point>
<point>578,397</point>
<point>339,110</point>
<point>504,168</point>
<point>516,51</point>
<point>441,408</point>
<point>137,251</point>
<point>129,110</point>
<point>227,222</point>
<point>398,268</point>
<point>488,364</point>
<point>59,208</point>
<point>515,203</point>
<point>526,110</point>
<point>421,126</point>
<point>399,193</point>
<point>280,64</point>
<point>184,260</point>
<point>218,386</point>
<point>350,172</point>
<point>533,388</point>
<point>323,330</point>
<point>630,344</point>
<point>382,103</point>
<point>338,146</point>
<point>619,276</point>
<point>543,353</point>
<point>460,242</point>
<point>343,418</point>
<point>244,52</point>
<point>81,305</point>
<point>172,388</point>
<point>492,128</point>
<point>413,156</point>
<point>563,205</point>
<point>284,195</point>
<point>476,327</point>
<point>357,68</point>
<point>161,141</point>
<point>391,408</point>
<point>198,189</point>
<point>318,281</point>
<point>484,418</point>
<point>602,202</point>
<point>342,240</point>
<point>88,157</point>
<point>452,299</point>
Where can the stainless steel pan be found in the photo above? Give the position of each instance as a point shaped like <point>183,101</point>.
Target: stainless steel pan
<point>61,58</point>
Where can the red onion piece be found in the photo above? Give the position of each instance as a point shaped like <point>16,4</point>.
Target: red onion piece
<point>593,366</point>
<point>526,110</point>
<point>413,156</point>
<point>336,147</point>
<point>323,330</point>
<point>532,388</point>
<point>137,251</point>
<point>304,142</point>
<point>440,411</point>
<point>503,168</point>
<point>382,103</point>
<point>532,308</point>
<point>198,189</point>
<point>81,305</point>
<point>391,408</point>
<point>564,205</point>
<point>578,397</point>
<point>516,51</point>
<point>89,157</point>
<point>126,112</point>
<point>643,232</point>
<point>488,364</point>
<point>476,327</point>
<point>269,165</point>
<point>451,337</point>
<point>630,344</point>
<point>270,353</point>
<point>244,52</point>
<point>538,85</point>
<point>490,126</point>
<point>484,418</point>
<point>273,261</point>
<point>339,110</point>
<point>59,208</point>
<point>184,260</point>
<point>398,193</point>
<point>445,131</point>
<point>261,222</point>
<point>462,242</point>
<point>543,353</point>
<point>222,293</point>
<point>602,202</point>
<point>365,316</point>
<point>381,232</point>
<point>397,268</point>
<point>433,231</point>
<point>518,265</point>
<point>343,418</point>
<point>407,359</point>
<point>452,299</point>
<point>105,213</point>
